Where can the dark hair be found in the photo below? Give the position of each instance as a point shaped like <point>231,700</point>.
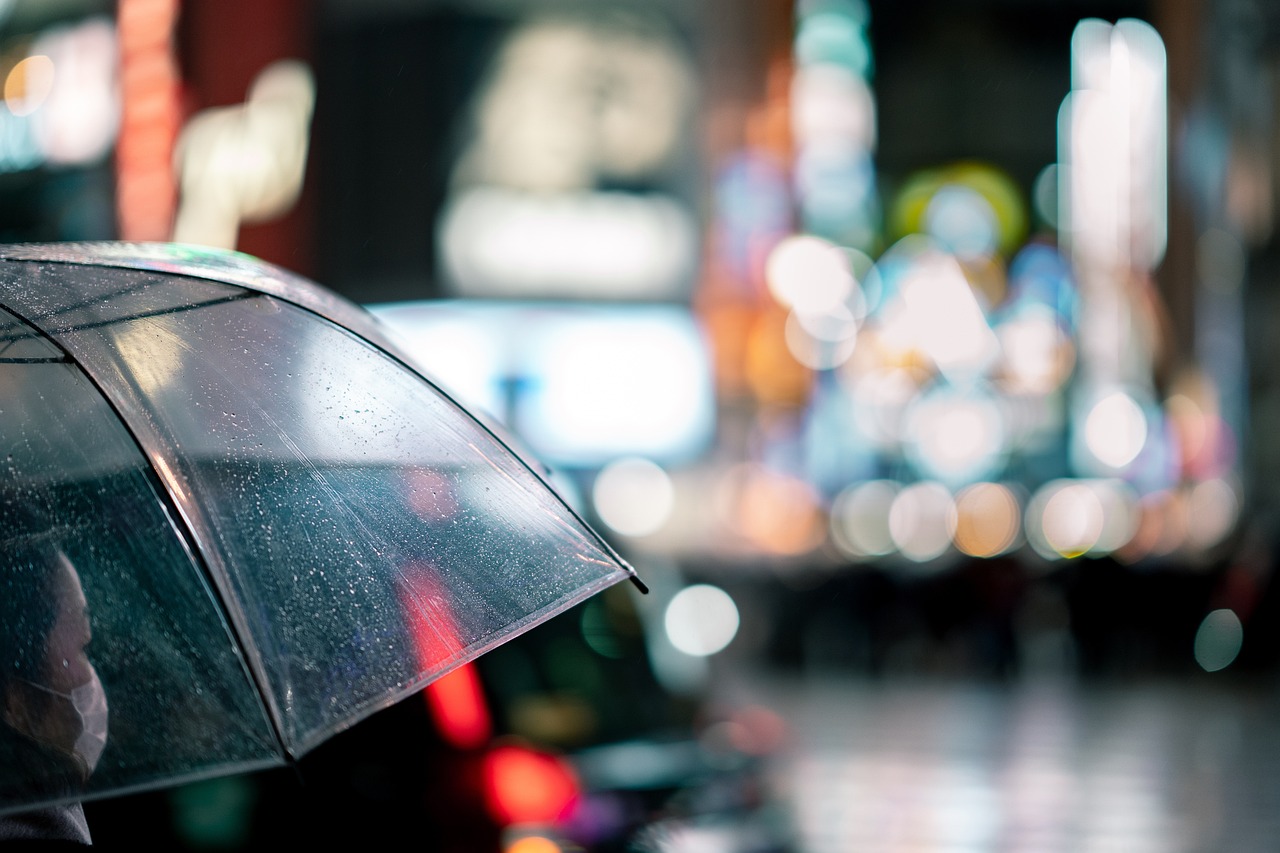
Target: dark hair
<point>28,607</point>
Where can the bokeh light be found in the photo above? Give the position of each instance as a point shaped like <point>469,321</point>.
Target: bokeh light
<point>1115,429</point>
<point>972,209</point>
<point>988,520</point>
<point>775,512</point>
<point>962,221</point>
<point>245,163</point>
<point>28,84</point>
<point>1036,353</point>
<point>822,341</point>
<point>954,437</point>
<point>1163,525</point>
<point>922,521</point>
<point>809,275</point>
<point>533,844</point>
<point>604,384</point>
<point>940,316</point>
<point>1120,503</point>
<point>1071,518</point>
<point>881,397</point>
<point>836,183</point>
<point>835,35</point>
<point>1218,640</point>
<point>1212,511</point>
<point>523,785</point>
<point>543,125</point>
<point>701,620</point>
<point>634,496</point>
<point>1205,443</point>
<point>830,102</point>
<point>860,519</point>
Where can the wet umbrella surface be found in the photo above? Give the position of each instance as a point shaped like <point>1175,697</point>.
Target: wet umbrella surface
<point>235,521</point>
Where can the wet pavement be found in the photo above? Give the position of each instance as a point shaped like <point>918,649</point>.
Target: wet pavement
<point>1042,764</point>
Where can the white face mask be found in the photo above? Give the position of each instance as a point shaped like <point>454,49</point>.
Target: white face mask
<point>89,701</point>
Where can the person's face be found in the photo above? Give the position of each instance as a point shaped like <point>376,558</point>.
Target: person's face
<point>66,663</point>
<point>43,707</point>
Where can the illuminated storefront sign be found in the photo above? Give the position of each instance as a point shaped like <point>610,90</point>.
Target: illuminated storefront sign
<point>62,98</point>
<point>562,189</point>
<point>607,245</point>
<point>582,384</point>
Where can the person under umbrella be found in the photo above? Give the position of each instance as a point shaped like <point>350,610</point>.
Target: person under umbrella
<point>222,448</point>
<point>52,703</point>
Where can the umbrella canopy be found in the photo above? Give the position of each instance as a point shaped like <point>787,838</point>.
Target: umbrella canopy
<point>236,520</point>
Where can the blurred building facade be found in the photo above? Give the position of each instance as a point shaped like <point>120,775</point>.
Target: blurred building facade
<point>907,307</point>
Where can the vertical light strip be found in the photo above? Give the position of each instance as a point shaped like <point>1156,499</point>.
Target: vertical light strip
<point>833,122</point>
<point>1113,147</point>
<point>146,194</point>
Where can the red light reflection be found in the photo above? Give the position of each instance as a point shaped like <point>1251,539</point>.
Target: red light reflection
<point>522,785</point>
<point>458,708</point>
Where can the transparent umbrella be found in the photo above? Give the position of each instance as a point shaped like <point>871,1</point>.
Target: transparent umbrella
<point>235,521</point>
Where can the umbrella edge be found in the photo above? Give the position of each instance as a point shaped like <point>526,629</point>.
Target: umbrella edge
<point>243,270</point>
<point>468,654</point>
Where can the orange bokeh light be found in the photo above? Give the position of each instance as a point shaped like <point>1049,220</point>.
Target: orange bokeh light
<point>522,785</point>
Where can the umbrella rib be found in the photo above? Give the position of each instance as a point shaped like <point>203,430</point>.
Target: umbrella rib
<point>159,312</point>
<point>98,299</point>
<point>186,535</point>
<point>95,300</point>
<point>11,339</point>
<point>191,541</point>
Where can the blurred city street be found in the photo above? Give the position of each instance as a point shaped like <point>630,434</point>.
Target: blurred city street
<point>1043,764</point>
<point>641,426</point>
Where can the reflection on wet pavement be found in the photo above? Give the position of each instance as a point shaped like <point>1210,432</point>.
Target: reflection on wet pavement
<point>1037,766</point>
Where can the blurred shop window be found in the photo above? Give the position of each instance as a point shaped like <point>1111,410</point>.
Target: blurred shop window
<point>59,121</point>
<point>570,101</point>
<point>62,98</point>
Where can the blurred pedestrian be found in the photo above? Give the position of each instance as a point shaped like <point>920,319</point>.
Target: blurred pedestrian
<point>52,704</point>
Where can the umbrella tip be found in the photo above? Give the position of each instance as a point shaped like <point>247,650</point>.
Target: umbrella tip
<point>640,585</point>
